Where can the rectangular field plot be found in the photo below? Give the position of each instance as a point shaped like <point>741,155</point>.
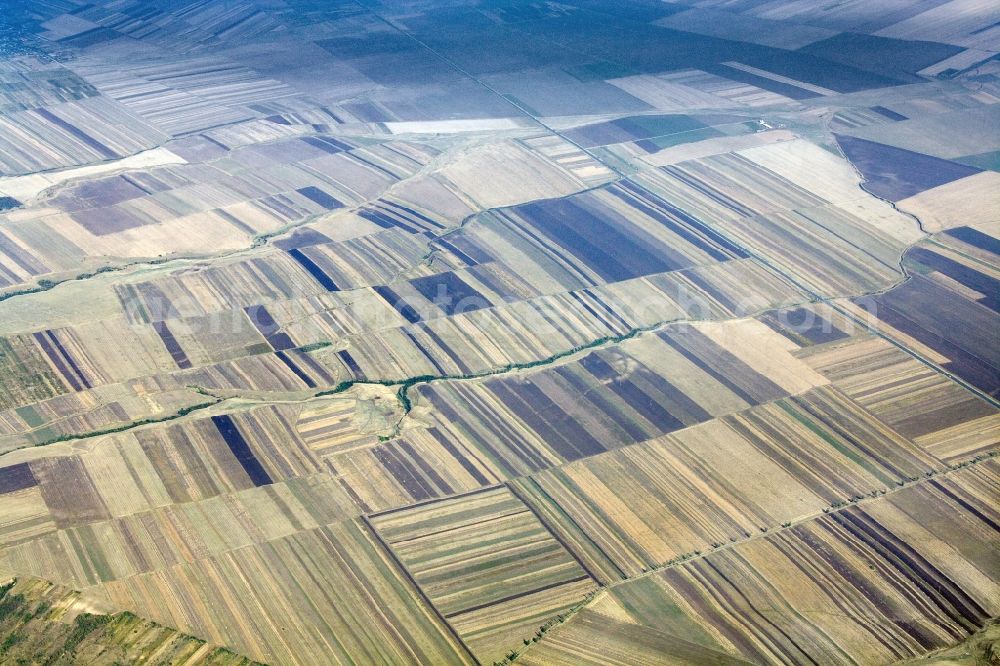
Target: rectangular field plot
<point>826,232</point>
<point>72,133</point>
<point>328,595</point>
<point>165,535</point>
<point>909,396</point>
<point>617,396</point>
<point>638,507</point>
<point>174,463</point>
<point>876,583</point>
<point>615,233</point>
<point>487,564</point>
<point>526,331</point>
<point>934,316</point>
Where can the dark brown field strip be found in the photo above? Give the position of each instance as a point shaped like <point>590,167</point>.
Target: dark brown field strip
<point>16,477</point>
<point>386,512</point>
<point>942,591</point>
<point>64,363</point>
<point>241,450</point>
<point>462,526</point>
<point>519,595</point>
<point>965,505</point>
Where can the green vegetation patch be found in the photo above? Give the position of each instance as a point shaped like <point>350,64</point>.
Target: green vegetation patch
<point>37,627</point>
<point>989,161</point>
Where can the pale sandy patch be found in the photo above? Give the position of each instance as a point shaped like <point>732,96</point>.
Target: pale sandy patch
<point>821,172</point>
<point>974,200</point>
<point>505,174</point>
<point>25,188</point>
<point>715,146</point>
<point>767,352</point>
<point>455,126</point>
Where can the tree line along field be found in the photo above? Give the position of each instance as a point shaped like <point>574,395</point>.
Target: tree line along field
<point>498,332</point>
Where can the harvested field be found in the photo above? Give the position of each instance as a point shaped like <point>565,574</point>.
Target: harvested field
<point>480,332</point>
<point>837,588</point>
<point>487,564</point>
<point>631,510</point>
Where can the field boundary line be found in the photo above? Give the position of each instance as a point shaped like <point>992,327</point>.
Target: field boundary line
<point>928,477</point>
<point>388,512</point>
<point>413,581</point>
<point>555,536</point>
